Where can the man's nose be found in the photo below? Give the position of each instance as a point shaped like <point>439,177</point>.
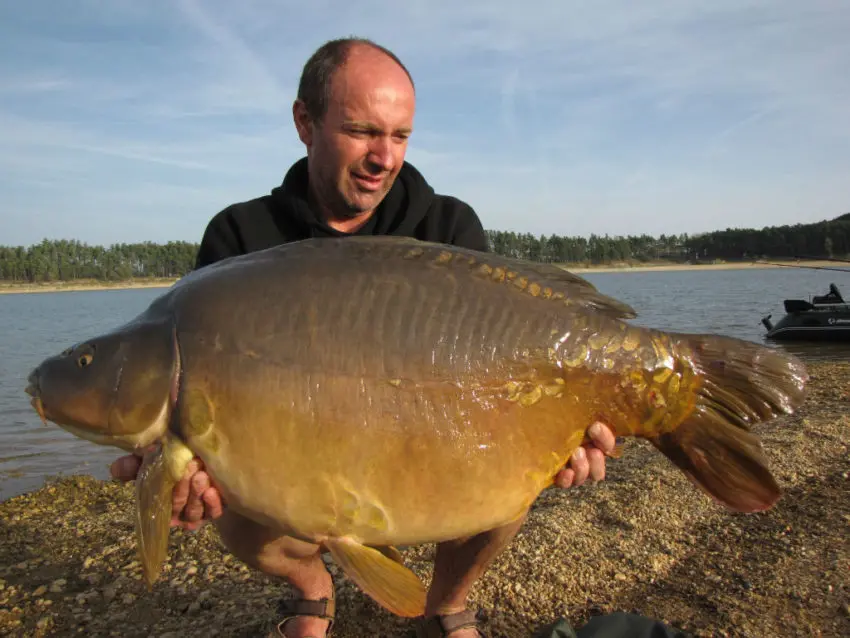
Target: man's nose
<point>381,154</point>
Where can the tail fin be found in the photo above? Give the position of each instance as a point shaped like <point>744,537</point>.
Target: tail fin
<point>741,383</point>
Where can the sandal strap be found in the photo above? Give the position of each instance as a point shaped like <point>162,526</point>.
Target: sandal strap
<point>445,625</point>
<point>290,609</point>
<point>324,608</point>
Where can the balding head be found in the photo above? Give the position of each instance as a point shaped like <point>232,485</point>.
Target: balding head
<point>315,85</point>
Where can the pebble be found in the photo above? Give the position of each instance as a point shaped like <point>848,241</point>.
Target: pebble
<point>40,591</point>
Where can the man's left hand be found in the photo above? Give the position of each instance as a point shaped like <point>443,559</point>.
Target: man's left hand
<point>589,460</point>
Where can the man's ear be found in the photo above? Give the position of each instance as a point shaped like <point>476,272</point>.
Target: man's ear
<point>303,122</point>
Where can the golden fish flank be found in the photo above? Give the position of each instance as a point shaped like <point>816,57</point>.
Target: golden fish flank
<point>614,345</point>
<point>196,418</point>
<point>577,356</point>
<point>485,270</point>
<point>631,340</point>
<point>527,393</point>
<point>358,511</point>
<point>674,385</point>
<point>661,375</point>
<point>556,388</point>
<point>662,352</point>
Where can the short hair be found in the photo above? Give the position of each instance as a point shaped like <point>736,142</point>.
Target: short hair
<point>314,88</point>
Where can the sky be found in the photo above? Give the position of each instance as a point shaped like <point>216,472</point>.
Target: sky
<point>127,121</point>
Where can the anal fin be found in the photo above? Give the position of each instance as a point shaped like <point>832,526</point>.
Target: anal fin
<point>387,581</point>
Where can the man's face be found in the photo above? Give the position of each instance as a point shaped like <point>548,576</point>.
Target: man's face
<point>357,149</point>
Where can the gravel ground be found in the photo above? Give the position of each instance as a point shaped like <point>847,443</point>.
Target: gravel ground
<point>643,540</point>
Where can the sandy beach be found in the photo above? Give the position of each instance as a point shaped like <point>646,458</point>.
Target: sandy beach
<point>86,285</point>
<point>83,285</point>
<point>644,540</point>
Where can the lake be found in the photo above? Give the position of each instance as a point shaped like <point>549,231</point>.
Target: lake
<point>729,302</point>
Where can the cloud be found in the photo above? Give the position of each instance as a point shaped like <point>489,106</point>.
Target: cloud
<point>569,117</point>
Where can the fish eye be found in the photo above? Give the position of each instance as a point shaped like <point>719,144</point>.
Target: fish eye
<point>86,357</point>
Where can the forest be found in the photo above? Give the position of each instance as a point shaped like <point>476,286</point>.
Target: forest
<point>67,260</point>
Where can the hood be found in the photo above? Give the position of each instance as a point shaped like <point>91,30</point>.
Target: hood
<point>398,214</point>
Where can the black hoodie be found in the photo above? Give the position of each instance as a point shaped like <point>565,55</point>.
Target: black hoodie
<point>411,208</point>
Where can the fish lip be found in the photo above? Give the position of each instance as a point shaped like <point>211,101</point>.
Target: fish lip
<point>33,388</point>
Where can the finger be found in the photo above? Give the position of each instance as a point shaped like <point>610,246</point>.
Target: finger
<point>596,463</point>
<point>125,468</point>
<point>194,509</point>
<point>580,466</point>
<point>180,494</point>
<point>602,436</point>
<point>213,504</point>
<point>564,478</point>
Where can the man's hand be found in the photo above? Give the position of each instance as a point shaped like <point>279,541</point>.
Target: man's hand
<point>589,459</point>
<point>194,499</point>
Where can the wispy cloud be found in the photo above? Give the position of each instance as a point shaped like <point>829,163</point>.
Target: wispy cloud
<point>124,119</point>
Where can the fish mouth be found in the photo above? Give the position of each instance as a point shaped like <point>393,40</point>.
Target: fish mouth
<point>34,391</point>
<point>32,384</point>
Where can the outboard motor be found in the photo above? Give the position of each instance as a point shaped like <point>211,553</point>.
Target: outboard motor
<point>767,323</point>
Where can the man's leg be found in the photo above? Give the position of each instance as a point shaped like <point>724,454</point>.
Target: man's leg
<point>459,564</point>
<point>297,562</point>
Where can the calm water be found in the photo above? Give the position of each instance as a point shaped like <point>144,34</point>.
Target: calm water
<point>729,302</point>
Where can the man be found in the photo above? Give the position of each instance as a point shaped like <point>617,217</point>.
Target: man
<point>354,113</point>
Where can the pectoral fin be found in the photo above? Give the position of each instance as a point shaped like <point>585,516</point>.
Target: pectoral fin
<point>160,470</point>
<point>389,583</point>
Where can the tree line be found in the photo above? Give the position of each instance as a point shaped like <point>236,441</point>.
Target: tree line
<point>66,260</point>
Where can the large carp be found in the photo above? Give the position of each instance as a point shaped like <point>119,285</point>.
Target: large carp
<point>363,393</point>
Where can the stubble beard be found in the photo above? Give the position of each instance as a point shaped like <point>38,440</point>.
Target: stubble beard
<point>349,208</point>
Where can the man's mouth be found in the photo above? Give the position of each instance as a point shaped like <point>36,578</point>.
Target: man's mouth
<point>368,182</point>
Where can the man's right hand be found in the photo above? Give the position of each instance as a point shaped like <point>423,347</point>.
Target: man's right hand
<point>195,500</point>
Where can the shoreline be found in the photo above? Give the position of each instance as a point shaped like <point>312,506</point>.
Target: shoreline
<point>84,285</point>
<point>644,541</point>
<point>133,284</point>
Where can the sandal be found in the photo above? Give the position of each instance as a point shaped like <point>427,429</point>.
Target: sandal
<point>446,625</point>
<point>291,609</point>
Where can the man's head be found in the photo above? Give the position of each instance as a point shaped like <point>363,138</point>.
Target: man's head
<point>354,112</point>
